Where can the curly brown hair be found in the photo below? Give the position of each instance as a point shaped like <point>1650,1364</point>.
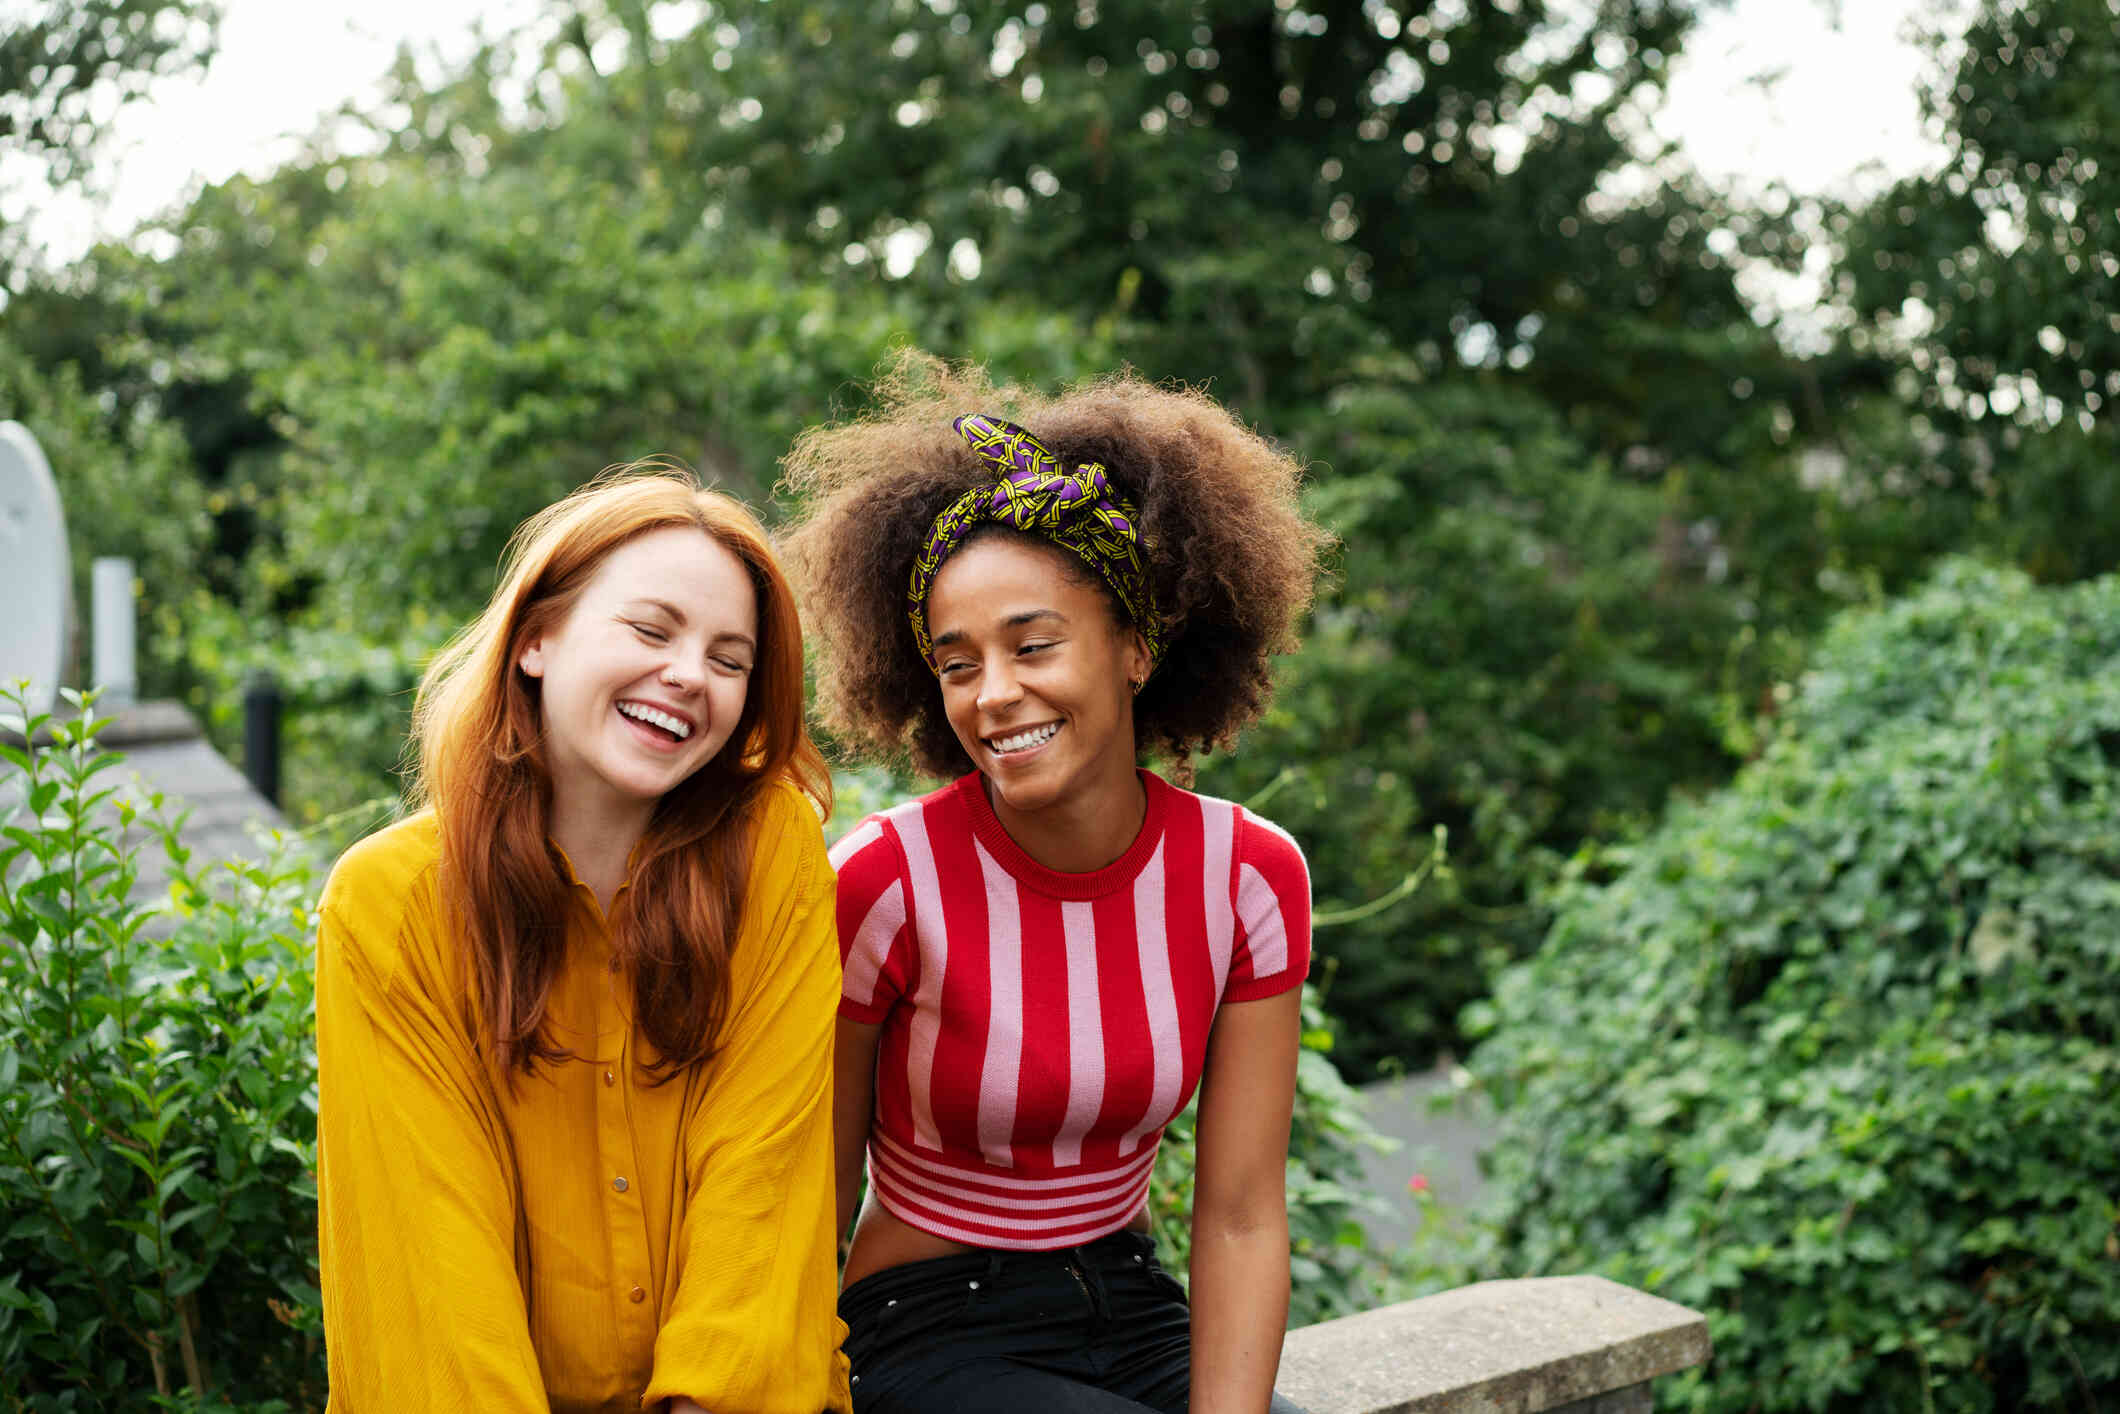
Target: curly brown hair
<point>1233,559</point>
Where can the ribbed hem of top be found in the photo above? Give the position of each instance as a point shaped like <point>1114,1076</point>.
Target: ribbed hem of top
<point>1118,874</point>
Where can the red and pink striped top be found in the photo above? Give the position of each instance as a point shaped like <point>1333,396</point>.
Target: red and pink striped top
<point>1040,1029</point>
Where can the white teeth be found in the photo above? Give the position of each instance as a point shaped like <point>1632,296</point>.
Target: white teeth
<point>674,725</point>
<point>1024,741</point>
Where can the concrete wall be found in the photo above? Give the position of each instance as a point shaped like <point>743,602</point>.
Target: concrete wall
<point>1580,1345</point>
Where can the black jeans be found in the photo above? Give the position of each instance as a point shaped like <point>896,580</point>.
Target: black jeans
<point>1101,1329</point>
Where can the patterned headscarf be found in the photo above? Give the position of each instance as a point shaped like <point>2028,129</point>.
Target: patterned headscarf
<point>1078,510</point>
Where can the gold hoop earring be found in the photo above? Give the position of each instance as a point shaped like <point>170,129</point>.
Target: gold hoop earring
<point>1137,684</point>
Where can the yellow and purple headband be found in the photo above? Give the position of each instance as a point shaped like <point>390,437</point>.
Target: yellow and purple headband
<point>1077,510</point>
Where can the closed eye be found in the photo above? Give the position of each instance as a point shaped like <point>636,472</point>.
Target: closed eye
<point>649,632</point>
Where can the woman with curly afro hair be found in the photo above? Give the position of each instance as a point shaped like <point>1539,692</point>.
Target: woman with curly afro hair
<point>1046,958</point>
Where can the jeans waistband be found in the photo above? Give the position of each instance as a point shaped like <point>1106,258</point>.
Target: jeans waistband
<point>1125,1248</point>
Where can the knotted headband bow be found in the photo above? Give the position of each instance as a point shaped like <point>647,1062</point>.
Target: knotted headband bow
<point>1077,510</point>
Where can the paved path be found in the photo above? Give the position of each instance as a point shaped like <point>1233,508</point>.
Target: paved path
<point>1440,1145</point>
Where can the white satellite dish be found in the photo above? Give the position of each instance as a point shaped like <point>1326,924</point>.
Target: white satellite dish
<point>36,587</point>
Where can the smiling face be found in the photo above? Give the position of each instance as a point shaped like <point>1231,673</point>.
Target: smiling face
<point>1036,673</point>
<point>644,679</point>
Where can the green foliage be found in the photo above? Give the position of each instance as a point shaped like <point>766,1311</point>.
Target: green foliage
<point>1243,193</point>
<point>1993,281</point>
<point>1521,645</point>
<point>2022,223</point>
<point>157,1101</point>
<point>1590,510</point>
<point>1835,1058</point>
<point>437,360</point>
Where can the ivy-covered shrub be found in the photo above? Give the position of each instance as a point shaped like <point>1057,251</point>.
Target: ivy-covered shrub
<point>157,1104</point>
<point>1836,1057</point>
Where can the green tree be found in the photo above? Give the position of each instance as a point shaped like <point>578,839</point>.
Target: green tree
<point>1993,279</point>
<point>1255,194</point>
<point>61,63</point>
<point>1523,645</point>
<point>1388,233</point>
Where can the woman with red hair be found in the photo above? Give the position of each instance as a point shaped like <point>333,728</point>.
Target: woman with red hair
<point>574,1016</point>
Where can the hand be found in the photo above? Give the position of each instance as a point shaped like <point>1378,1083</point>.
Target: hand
<point>685,1406</point>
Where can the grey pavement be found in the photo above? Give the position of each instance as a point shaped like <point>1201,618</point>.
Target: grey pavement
<point>1441,1145</point>
<point>167,755</point>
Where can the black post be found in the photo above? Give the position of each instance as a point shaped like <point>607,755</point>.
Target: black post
<point>261,734</point>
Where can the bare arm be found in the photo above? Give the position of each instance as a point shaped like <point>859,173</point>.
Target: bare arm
<point>853,1103</point>
<point>1240,1211</point>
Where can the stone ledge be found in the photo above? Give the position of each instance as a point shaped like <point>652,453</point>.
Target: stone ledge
<point>1496,1347</point>
<point>136,724</point>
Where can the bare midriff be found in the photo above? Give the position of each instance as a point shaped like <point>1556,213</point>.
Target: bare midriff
<point>883,1240</point>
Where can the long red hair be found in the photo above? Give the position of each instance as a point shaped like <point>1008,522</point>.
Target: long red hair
<point>483,769</point>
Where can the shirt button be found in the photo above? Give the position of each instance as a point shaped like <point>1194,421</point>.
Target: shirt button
<point>619,1183</point>
<point>636,1295</point>
<point>610,1078</point>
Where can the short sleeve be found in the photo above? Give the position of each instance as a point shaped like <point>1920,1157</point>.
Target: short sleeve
<point>1272,952</point>
<point>873,936</point>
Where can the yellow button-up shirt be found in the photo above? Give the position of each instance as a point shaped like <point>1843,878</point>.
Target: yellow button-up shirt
<point>577,1239</point>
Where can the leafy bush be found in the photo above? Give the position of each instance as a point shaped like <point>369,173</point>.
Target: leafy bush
<point>157,1103</point>
<point>1836,1057</point>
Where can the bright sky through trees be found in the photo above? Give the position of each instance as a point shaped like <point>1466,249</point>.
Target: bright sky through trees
<point>1778,90</point>
<point>1768,91</point>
